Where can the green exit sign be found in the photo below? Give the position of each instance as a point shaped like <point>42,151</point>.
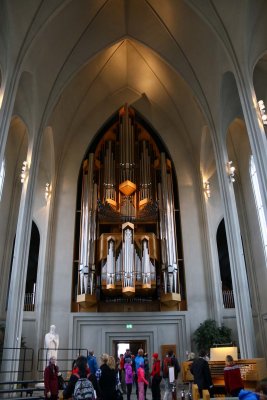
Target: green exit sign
<point>129,326</point>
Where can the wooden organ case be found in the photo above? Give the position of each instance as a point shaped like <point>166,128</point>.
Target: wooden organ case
<point>127,258</point>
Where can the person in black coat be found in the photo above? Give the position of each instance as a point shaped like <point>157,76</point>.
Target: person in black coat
<point>201,372</point>
<point>107,380</point>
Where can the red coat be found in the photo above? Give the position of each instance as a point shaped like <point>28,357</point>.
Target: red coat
<point>51,379</point>
<point>232,378</point>
<point>156,368</point>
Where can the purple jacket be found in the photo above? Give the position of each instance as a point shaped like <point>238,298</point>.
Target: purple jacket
<point>128,373</point>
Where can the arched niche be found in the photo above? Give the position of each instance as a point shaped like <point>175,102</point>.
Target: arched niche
<point>224,264</point>
<point>125,175</point>
<point>32,269</point>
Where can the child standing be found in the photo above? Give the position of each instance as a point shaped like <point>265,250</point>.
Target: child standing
<point>141,381</point>
<point>128,377</point>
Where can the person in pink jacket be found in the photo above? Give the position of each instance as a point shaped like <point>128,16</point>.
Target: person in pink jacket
<point>141,381</point>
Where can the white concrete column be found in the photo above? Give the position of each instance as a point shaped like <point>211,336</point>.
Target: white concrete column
<point>256,134</point>
<point>5,116</point>
<point>246,336</point>
<point>16,296</point>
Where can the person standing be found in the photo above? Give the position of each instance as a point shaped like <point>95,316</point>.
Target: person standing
<point>156,378</point>
<point>92,362</point>
<point>128,377</point>
<point>232,377</point>
<point>139,359</point>
<point>141,381</point>
<point>51,373</point>
<point>201,372</point>
<point>80,372</point>
<point>146,366</point>
<point>170,385</point>
<point>107,380</point>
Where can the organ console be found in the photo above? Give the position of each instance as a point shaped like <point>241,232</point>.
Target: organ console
<point>127,238</point>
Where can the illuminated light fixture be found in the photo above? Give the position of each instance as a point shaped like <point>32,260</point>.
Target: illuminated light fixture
<point>262,111</point>
<point>231,171</point>
<point>47,191</point>
<point>24,171</point>
<point>207,188</point>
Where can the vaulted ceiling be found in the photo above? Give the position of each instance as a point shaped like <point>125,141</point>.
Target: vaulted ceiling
<point>168,54</point>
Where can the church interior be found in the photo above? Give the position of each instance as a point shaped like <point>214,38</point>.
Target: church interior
<point>133,175</point>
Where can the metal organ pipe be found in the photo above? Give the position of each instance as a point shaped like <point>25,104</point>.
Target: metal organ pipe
<point>168,228</point>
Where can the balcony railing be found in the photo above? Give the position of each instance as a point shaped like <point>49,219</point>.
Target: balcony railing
<point>228,299</point>
<point>29,301</point>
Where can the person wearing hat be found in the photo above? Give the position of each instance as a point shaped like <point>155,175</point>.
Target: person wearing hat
<point>156,378</point>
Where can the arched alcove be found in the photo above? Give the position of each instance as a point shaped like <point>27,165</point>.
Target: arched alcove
<point>127,204</point>
<point>224,263</point>
<point>32,269</point>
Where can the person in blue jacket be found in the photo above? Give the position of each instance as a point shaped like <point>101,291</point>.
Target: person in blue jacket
<point>92,362</point>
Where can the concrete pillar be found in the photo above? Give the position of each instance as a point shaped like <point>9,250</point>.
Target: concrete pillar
<point>256,134</point>
<point>15,308</point>
<point>244,319</point>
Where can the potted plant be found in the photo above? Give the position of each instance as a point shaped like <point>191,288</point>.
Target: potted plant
<point>208,333</point>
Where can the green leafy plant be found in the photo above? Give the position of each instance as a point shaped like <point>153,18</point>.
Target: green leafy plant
<point>209,333</point>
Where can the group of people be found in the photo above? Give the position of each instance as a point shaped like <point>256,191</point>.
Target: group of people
<point>105,381</point>
<point>234,386</point>
<point>202,375</point>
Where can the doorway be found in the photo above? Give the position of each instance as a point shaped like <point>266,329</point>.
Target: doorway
<point>119,346</point>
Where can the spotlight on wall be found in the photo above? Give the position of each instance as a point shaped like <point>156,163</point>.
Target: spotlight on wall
<point>24,171</point>
<point>207,188</point>
<point>262,111</point>
<point>231,171</point>
<point>47,191</point>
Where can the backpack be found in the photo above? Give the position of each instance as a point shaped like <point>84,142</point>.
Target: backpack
<point>83,390</point>
<point>167,362</point>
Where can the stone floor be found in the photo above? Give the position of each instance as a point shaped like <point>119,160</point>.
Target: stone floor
<point>180,388</point>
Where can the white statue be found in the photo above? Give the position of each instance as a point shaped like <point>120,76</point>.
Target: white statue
<point>51,344</point>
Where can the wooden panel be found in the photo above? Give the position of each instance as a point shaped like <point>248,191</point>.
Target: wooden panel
<point>167,347</point>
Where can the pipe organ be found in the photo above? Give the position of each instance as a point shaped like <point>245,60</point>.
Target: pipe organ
<point>127,239</point>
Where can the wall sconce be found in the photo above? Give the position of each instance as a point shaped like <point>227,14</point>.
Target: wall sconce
<point>207,188</point>
<point>231,171</point>
<point>24,171</point>
<point>47,191</point>
<point>262,111</point>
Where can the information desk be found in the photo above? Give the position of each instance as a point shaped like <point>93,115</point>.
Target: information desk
<point>252,371</point>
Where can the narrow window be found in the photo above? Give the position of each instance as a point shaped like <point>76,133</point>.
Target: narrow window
<point>259,205</point>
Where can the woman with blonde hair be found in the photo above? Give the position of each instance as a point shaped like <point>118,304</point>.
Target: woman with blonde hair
<point>111,362</point>
<point>107,380</point>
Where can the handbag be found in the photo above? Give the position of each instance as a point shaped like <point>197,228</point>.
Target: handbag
<point>61,382</point>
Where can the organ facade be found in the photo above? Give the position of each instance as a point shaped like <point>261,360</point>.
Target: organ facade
<point>127,250</point>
